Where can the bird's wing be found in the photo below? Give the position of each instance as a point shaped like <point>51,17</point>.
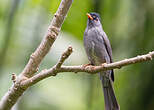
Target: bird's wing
<point>109,51</point>
<point>107,45</point>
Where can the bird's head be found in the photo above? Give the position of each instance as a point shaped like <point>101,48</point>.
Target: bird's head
<point>93,20</point>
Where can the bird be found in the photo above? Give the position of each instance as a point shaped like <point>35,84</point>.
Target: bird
<point>99,52</point>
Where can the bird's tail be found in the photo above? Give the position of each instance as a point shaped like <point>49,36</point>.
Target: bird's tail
<point>109,95</point>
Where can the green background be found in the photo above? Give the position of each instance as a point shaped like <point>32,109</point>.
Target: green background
<point>129,25</point>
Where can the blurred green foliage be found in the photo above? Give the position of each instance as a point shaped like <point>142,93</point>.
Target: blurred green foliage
<point>129,25</point>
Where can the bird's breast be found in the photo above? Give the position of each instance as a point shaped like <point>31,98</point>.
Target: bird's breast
<point>94,45</point>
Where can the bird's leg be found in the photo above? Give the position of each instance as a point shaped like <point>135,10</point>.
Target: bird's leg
<point>85,65</point>
<point>89,64</point>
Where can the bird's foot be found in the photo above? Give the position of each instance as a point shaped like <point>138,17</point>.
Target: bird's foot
<point>85,65</point>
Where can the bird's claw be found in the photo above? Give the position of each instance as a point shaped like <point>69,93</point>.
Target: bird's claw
<point>85,65</point>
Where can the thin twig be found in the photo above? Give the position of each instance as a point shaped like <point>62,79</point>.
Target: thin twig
<point>89,69</point>
<point>64,56</point>
<point>48,72</point>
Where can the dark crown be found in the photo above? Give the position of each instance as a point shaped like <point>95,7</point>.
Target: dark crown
<point>95,15</point>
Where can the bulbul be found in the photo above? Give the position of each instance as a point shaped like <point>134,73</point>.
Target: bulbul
<point>99,51</point>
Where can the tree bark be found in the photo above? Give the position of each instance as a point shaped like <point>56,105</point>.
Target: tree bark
<point>11,97</point>
<point>27,77</point>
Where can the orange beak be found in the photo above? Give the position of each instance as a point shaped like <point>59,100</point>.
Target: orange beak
<point>89,16</point>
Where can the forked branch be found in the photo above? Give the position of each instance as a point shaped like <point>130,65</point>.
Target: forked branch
<point>11,97</point>
<point>28,77</point>
<point>89,69</point>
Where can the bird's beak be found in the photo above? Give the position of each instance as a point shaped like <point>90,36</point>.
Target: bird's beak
<point>89,16</point>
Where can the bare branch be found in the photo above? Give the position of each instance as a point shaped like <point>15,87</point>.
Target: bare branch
<point>11,97</point>
<point>27,77</point>
<point>50,37</point>
<point>48,72</point>
<point>89,69</point>
<point>64,56</point>
<point>104,67</point>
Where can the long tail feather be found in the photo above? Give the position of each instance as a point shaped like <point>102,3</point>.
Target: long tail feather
<point>109,95</point>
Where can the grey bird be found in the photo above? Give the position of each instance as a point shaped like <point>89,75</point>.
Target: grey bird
<point>99,51</point>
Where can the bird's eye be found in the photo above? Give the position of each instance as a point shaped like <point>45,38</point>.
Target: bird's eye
<point>94,17</point>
